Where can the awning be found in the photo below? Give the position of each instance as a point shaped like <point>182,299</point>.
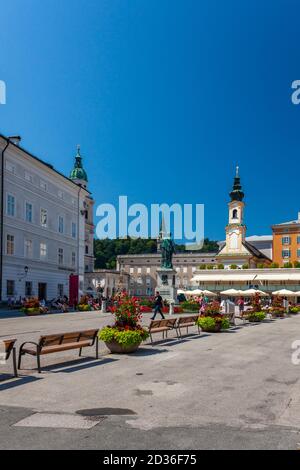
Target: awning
<point>243,277</point>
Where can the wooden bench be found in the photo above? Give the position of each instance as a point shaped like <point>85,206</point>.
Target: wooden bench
<point>9,347</point>
<point>186,322</point>
<point>59,342</point>
<point>162,326</point>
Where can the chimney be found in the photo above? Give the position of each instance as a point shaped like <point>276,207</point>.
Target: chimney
<point>15,139</point>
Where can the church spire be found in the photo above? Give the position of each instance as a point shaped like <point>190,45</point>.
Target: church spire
<point>78,174</point>
<point>237,193</point>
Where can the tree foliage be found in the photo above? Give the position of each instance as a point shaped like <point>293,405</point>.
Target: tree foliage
<point>106,250</point>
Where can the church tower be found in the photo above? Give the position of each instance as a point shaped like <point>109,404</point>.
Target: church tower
<point>79,176</point>
<point>236,229</point>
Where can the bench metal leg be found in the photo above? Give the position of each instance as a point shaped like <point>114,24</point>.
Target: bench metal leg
<point>20,358</point>
<point>151,339</point>
<point>38,363</point>
<point>15,362</point>
<point>80,351</point>
<point>97,348</point>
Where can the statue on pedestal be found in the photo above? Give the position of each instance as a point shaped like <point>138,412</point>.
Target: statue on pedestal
<point>167,251</point>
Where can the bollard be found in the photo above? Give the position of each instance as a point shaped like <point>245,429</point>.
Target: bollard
<point>103,306</point>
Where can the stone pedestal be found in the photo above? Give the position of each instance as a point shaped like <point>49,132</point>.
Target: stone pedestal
<point>166,284</point>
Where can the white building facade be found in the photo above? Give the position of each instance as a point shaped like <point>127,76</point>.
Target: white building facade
<point>43,226</point>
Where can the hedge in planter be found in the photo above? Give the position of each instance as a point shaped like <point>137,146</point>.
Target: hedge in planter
<point>211,319</point>
<point>213,323</point>
<point>256,316</point>
<point>294,310</point>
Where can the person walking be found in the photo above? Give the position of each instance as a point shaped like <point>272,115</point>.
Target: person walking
<point>158,305</point>
<point>241,304</point>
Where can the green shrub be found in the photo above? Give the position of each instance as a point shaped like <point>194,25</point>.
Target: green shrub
<point>274,265</point>
<point>123,337</point>
<point>30,309</point>
<point>202,266</point>
<point>220,266</point>
<point>296,264</point>
<point>256,316</point>
<point>209,323</point>
<point>245,266</point>
<point>294,309</point>
<point>260,265</point>
<point>190,306</point>
<point>288,265</point>
<point>210,266</point>
<point>84,308</point>
<point>233,266</point>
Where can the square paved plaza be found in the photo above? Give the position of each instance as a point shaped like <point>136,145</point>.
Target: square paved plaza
<point>237,390</point>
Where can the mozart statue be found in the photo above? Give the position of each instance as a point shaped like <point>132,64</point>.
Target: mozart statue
<point>167,251</point>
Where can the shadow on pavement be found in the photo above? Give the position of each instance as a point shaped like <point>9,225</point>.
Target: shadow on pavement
<point>67,367</point>
<point>17,382</point>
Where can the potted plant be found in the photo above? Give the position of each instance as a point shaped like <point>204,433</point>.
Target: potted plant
<point>211,320</point>
<point>294,310</point>
<point>277,309</point>
<point>255,314</point>
<point>126,334</point>
<point>31,307</point>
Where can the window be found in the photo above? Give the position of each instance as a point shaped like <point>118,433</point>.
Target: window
<point>9,167</point>
<point>10,287</point>
<point>10,244</point>
<point>234,214</point>
<point>73,230</point>
<point>86,249</point>
<point>148,281</point>
<point>43,250</point>
<point>139,270</point>
<point>286,240</point>
<point>298,240</point>
<point>28,249</point>
<point>139,280</point>
<point>60,255</point>
<point>43,185</point>
<point>28,212</point>
<point>286,253</point>
<point>61,224</point>
<point>28,288</point>
<point>73,258</point>
<point>86,267</point>
<point>131,270</point>
<point>148,270</point>
<point>28,177</point>
<point>44,217</point>
<point>298,253</point>
<point>60,290</point>
<point>185,270</point>
<point>10,205</point>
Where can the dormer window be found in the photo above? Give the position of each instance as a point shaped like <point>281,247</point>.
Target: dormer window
<point>235,214</point>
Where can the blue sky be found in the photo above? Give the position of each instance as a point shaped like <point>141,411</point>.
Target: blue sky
<point>151,88</point>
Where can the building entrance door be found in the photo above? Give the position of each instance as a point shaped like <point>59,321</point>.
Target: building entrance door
<point>42,291</point>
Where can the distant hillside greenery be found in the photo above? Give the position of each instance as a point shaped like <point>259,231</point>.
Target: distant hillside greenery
<point>106,251</point>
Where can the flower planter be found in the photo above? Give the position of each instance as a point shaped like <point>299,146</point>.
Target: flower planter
<point>254,320</point>
<point>118,348</point>
<point>32,313</point>
<point>278,315</point>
